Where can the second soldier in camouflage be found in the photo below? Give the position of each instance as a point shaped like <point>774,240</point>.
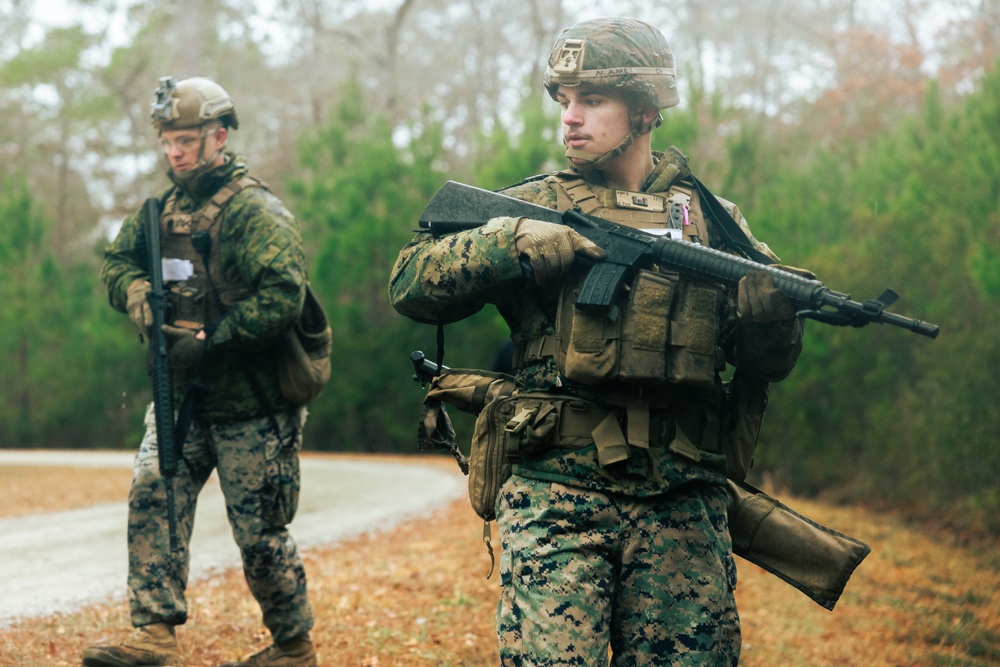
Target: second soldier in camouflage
<point>233,266</point>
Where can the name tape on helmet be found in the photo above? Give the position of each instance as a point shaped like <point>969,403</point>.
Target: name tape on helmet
<point>613,71</point>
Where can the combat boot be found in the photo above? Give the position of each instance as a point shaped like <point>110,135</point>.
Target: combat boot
<point>298,652</point>
<point>148,646</point>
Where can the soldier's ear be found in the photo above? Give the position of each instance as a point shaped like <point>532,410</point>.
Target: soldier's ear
<point>221,135</point>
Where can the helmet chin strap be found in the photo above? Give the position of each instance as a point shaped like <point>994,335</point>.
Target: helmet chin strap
<point>590,162</point>
<point>204,164</point>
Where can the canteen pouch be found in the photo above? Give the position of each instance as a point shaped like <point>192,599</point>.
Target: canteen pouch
<point>815,559</point>
<point>742,414</point>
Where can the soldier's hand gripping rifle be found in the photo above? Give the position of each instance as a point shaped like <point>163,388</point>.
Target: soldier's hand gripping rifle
<point>457,206</point>
<point>163,395</point>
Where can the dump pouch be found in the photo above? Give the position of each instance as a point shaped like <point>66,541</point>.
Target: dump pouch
<point>304,353</point>
<point>813,558</point>
<point>468,390</point>
<point>513,426</point>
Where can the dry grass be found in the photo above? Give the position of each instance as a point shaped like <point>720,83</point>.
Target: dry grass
<point>31,490</point>
<point>417,596</point>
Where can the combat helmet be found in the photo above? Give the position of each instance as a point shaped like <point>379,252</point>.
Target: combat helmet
<point>190,103</point>
<point>193,104</point>
<point>624,54</point>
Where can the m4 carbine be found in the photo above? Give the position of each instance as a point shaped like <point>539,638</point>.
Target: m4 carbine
<point>457,206</point>
<point>163,395</point>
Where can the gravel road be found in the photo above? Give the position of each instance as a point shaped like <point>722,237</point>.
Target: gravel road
<point>57,562</point>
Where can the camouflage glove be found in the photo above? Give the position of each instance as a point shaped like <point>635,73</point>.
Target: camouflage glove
<point>760,302</point>
<point>551,249</point>
<point>138,308</point>
<point>186,349</point>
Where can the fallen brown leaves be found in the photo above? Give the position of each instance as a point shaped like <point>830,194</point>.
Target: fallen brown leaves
<point>417,596</point>
<point>32,490</point>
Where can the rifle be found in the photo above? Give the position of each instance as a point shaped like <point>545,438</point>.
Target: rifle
<point>457,207</point>
<point>815,559</point>
<point>163,394</point>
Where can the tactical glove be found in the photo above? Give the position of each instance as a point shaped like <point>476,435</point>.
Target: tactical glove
<point>186,350</point>
<point>551,249</point>
<point>138,308</point>
<point>760,302</point>
<point>770,333</point>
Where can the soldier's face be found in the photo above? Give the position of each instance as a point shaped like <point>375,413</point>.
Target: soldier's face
<point>183,147</point>
<point>593,120</point>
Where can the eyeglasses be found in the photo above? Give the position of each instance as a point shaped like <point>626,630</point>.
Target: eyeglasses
<point>184,143</point>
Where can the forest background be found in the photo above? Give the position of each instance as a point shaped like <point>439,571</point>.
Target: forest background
<point>861,140</point>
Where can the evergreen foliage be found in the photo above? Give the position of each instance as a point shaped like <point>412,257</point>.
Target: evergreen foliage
<point>359,196</point>
<point>876,411</point>
<point>68,374</point>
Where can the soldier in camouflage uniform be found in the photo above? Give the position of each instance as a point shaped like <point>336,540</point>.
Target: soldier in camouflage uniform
<point>229,305</point>
<point>613,524</point>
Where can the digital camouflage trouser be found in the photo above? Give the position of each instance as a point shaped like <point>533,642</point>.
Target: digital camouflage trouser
<point>582,570</point>
<point>260,481</point>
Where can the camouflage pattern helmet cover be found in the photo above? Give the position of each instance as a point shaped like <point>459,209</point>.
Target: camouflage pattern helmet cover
<point>627,54</point>
<point>190,103</point>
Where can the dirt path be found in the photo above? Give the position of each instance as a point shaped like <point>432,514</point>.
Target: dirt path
<point>58,561</point>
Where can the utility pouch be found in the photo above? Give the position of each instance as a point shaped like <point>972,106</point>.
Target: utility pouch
<point>694,357</point>
<point>489,467</point>
<point>304,353</point>
<point>742,415</point>
<point>506,429</point>
<point>815,559</point>
<point>187,306</point>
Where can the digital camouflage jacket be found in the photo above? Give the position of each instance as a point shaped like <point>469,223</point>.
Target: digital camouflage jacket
<point>446,279</point>
<point>261,246</point>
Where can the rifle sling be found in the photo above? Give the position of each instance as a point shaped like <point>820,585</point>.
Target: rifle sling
<point>732,234</point>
